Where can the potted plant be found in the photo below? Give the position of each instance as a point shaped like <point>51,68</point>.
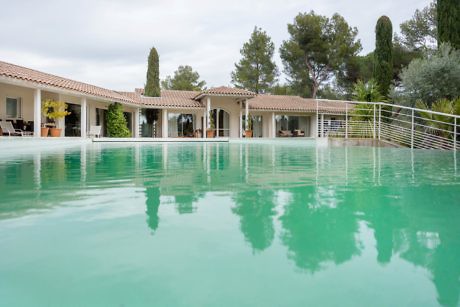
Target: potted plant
<point>248,131</point>
<point>210,133</point>
<point>53,110</point>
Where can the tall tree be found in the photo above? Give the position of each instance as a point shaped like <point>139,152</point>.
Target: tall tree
<point>420,32</point>
<point>318,46</point>
<point>449,22</point>
<point>185,79</point>
<point>152,86</point>
<point>256,71</point>
<point>383,55</point>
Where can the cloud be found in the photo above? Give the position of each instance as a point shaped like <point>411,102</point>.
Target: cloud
<point>107,42</point>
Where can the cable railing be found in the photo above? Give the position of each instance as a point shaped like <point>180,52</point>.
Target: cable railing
<point>405,126</point>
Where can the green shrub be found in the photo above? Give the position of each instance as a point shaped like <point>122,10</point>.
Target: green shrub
<point>116,122</point>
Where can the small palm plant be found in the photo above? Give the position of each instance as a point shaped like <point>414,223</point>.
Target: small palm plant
<point>366,92</point>
<point>443,125</point>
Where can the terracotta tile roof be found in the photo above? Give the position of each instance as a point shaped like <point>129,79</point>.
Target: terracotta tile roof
<point>225,91</point>
<point>169,98</point>
<point>27,74</point>
<point>296,104</point>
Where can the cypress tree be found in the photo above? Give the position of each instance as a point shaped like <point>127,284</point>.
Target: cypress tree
<point>152,86</point>
<point>449,22</point>
<point>383,55</point>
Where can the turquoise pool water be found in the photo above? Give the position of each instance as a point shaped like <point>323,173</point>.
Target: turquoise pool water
<point>280,224</point>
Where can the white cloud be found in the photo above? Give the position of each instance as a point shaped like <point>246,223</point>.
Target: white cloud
<point>107,42</point>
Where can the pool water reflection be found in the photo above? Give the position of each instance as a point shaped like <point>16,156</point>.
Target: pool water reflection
<point>281,224</point>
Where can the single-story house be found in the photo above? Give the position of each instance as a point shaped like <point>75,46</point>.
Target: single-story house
<point>222,111</point>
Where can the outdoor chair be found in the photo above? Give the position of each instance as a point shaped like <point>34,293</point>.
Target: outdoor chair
<point>285,133</point>
<point>299,133</point>
<point>95,131</point>
<point>7,128</point>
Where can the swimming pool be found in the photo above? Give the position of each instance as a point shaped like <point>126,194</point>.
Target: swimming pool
<point>239,224</point>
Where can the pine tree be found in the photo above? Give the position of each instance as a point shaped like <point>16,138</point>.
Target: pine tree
<point>256,71</point>
<point>449,22</point>
<point>383,56</point>
<point>152,86</point>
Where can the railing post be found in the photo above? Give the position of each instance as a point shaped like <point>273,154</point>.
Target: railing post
<point>412,131</point>
<point>322,125</point>
<point>455,133</point>
<point>374,131</point>
<point>346,120</point>
<point>380,118</point>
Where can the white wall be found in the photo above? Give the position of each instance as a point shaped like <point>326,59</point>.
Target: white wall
<point>27,98</point>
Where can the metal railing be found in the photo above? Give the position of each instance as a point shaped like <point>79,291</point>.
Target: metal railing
<point>406,126</point>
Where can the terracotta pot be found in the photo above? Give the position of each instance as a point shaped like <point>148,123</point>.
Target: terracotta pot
<point>210,134</point>
<point>248,133</point>
<point>44,131</point>
<point>55,132</point>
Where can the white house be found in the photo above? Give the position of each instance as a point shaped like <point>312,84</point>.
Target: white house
<point>225,111</point>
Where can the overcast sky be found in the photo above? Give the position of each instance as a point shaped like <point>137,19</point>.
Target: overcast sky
<point>106,42</point>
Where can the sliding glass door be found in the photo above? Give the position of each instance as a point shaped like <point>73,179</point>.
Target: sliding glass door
<point>181,125</point>
<point>292,126</point>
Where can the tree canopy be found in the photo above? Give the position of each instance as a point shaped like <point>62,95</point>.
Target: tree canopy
<point>317,48</point>
<point>420,32</point>
<point>152,86</point>
<point>256,71</point>
<point>184,79</point>
<point>448,16</point>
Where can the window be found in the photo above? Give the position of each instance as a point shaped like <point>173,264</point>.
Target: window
<point>13,107</point>
<point>180,125</point>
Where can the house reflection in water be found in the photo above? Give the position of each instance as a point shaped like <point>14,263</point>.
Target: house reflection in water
<point>330,197</point>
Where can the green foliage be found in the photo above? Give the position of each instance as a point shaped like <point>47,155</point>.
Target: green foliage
<point>283,89</point>
<point>185,79</point>
<point>366,92</point>
<point>402,56</point>
<point>439,121</point>
<point>116,122</point>
<point>318,47</point>
<point>383,62</point>
<point>256,71</point>
<point>431,78</point>
<point>421,32</point>
<point>152,86</point>
<point>356,68</point>
<point>53,110</point>
<point>448,16</point>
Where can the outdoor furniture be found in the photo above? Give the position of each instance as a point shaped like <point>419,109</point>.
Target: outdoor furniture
<point>95,131</point>
<point>285,133</point>
<point>7,128</point>
<point>299,133</point>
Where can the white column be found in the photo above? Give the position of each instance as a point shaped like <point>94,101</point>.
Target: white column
<point>60,123</point>
<point>136,123</point>
<point>273,125</point>
<point>217,122</point>
<point>83,119</point>
<point>241,123</point>
<point>164,123</point>
<point>208,111</point>
<point>37,112</point>
<point>246,114</point>
<point>204,123</point>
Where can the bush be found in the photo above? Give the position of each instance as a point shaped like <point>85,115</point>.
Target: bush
<point>116,122</point>
<point>430,79</point>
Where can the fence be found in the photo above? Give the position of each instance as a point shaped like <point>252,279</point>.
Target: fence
<point>406,126</point>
